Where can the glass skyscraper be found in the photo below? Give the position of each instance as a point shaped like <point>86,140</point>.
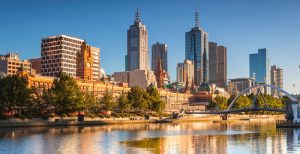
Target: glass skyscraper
<point>259,66</point>
<point>196,50</point>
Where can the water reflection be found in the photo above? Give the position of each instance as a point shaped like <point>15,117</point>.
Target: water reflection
<point>194,137</point>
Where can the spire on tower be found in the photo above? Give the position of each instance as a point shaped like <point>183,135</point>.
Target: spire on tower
<point>196,19</point>
<point>137,16</point>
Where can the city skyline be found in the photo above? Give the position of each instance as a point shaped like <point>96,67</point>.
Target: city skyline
<point>240,44</point>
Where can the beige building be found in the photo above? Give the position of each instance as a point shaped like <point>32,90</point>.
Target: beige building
<point>237,85</point>
<point>121,77</point>
<point>137,46</point>
<point>141,78</point>
<point>185,71</point>
<point>11,62</point>
<point>276,79</point>
<point>59,55</point>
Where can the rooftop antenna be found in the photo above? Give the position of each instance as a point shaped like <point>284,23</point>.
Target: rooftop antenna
<point>137,15</point>
<point>196,19</point>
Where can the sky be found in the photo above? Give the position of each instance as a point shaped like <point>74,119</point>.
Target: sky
<point>243,26</point>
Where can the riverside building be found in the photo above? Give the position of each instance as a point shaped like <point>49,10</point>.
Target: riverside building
<point>59,55</point>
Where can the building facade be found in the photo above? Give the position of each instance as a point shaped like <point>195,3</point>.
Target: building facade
<point>185,71</point>
<point>213,62</point>
<point>59,54</point>
<point>222,67</point>
<point>218,65</point>
<point>88,63</point>
<point>259,66</point>
<point>36,64</point>
<point>237,85</point>
<point>196,50</point>
<point>159,51</point>
<point>141,78</point>
<point>11,63</point>
<point>276,79</point>
<point>137,46</point>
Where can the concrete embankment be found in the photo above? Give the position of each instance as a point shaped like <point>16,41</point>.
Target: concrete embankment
<point>72,121</point>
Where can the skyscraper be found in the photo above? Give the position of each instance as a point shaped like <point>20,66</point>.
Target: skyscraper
<point>137,45</point>
<point>196,50</point>
<point>59,55</point>
<point>222,67</point>
<point>213,62</point>
<point>217,64</point>
<point>276,79</point>
<point>259,67</point>
<point>159,51</point>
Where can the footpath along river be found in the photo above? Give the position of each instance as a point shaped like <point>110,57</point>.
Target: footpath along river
<point>185,137</point>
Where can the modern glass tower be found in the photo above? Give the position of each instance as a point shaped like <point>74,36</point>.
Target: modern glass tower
<point>259,66</point>
<point>137,46</point>
<point>196,50</point>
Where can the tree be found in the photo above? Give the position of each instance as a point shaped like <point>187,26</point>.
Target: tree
<point>14,93</point>
<point>155,102</point>
<point>138,98</point>
<point>91,104</point>
<point>219,102</point>
<point>242,102</point>
<point>66,95</point>
<point>106,101</point>
<point>123,103</point>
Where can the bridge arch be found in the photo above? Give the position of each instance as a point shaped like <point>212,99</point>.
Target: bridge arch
<point>258,86</point>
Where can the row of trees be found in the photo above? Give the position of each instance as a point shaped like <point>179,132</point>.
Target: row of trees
<point>222,103</point>
<point>66,97</point>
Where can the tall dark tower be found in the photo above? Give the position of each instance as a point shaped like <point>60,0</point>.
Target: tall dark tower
<point>196,50</point>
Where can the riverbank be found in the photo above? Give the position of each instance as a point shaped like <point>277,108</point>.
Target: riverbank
<point>72,121</point>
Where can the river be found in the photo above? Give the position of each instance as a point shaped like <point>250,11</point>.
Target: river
<point>190,137</point>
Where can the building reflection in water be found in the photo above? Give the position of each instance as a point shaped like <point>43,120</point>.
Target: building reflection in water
<point>194,137</point>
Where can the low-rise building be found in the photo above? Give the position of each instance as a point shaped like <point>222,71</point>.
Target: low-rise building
<point>237,85</point>
<point>11,62</point>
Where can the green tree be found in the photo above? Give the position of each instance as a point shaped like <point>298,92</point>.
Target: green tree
<point>123,103</point>
<point>106,101</point>
<point>155,102</point>
<point>219,102</point>
<point>91,104</point>
<point>14,93</point>
<point>138,98</point>
<point>242,102</point>
<point>66,95</point>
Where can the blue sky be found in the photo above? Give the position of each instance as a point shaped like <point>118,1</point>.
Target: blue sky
<point>242,26</point>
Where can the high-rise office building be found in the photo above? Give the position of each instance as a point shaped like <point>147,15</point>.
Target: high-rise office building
<point>196,50</point>
<point>218,65</point>
<point>222,67</point>
<point>159,51</point>
<point>185,71</point>
<point>276,79</point>
<point>137,45</point>
<point>59,54</point>
<point>11,63</point>
<point>88,63</point>
<point>259,66</point>
<point>213,62</point>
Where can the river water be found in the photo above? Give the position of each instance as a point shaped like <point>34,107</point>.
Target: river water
<point>191,137</point>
